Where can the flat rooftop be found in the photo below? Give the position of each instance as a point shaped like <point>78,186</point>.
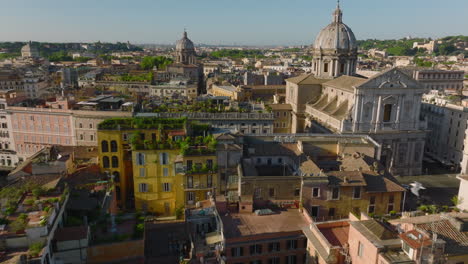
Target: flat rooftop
<point>247,224</point>
<point>336,233</point>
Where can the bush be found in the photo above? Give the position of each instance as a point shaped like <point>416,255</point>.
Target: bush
<point>29,202</point>
<point>393,213</point>
<point>38,191</point>
<point>19,224</point>
<point>36,248</point>
<point>179,212</point>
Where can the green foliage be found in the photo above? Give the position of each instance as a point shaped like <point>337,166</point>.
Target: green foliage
<point>423,63</point>
<point>445,49</point>
<point>19,224</point>
<point>306,58</point>
<point>161,62</point>
<point>456,200</point>
<point>9,55</point>
<point>179,212</point>
<point>292,50</point>
<point>237,54</point>
<point>38,191</point>
<point>139,230</point>
<point>81,59</point>
<point>29,202</point>
<point>145,77</point>
<point>36,248</point>
<point>143,123</point>
<point>60,56</point>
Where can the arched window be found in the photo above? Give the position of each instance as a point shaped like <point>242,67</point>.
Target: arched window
<point>387,113</point>
<point>115,162</point>
<point>113,146</point>
<point>116,175</point>
<point>105,162</point>
<point>104,146</point>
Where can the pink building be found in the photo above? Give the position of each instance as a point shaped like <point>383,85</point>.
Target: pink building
<point>35,128</point>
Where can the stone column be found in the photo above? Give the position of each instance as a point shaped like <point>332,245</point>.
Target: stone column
<point>416,111</point>
<point>399,110</point>
<point>378,118</point>
<point>357,112</point>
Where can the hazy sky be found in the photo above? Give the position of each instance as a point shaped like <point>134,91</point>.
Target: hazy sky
<point>255,22</point>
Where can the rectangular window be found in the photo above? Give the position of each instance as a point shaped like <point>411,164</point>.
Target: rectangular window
<point>335,193</point>
<point>189,164</point>
<point>165,172</point>
<point>291,259</point>
<point>360,249</point>
<point>357,192</point>
<point>274,260</point>
<point>315,192</point>
<point>164,158</point>
<point>331,212</point>
<point>273,247</point>
<point>237,252</point>
<point>209,164</point>
<point>140,158</point>
<point>190,196</point>
<point>166,187</point>
<point>142,172</point>
<point>325,67</point>
<point>189,181</point>
<point>291,244</point>
<point>255,249</point>
<point>143,187</point>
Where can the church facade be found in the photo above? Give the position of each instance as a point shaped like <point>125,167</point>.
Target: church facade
<point>333,99</point>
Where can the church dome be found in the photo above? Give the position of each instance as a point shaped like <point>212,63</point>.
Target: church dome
<point>184,43</point>
<point>336,35</point>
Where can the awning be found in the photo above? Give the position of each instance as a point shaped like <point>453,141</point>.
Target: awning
<point>213,238</point>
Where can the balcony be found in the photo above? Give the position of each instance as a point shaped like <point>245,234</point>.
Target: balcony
<point>197,187</point>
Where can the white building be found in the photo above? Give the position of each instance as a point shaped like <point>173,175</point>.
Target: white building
<point>386,106</point>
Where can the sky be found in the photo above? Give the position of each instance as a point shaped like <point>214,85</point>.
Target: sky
<point>228,22</point>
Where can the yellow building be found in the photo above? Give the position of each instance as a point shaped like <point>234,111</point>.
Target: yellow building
<point>158,167</point>
<point>200,179</point>
<point>113,160</point>
<point>157,184</point>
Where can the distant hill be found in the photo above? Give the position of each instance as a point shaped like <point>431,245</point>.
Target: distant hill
<point>404,47</point>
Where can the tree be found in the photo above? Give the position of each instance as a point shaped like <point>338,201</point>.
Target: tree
<point>149,62</point>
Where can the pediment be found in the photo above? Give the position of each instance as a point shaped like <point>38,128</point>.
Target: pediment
<point>391,79</point>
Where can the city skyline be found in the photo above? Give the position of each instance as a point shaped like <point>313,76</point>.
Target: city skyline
<point>239,23</point>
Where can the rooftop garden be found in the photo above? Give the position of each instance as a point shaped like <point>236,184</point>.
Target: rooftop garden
<point>199,145</point>
<point>173,106</point>
<point>143,123</point>
<point>28,205</point>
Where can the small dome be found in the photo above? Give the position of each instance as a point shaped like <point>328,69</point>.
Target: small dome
<point>184,43</point>
<point>336,35</point>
